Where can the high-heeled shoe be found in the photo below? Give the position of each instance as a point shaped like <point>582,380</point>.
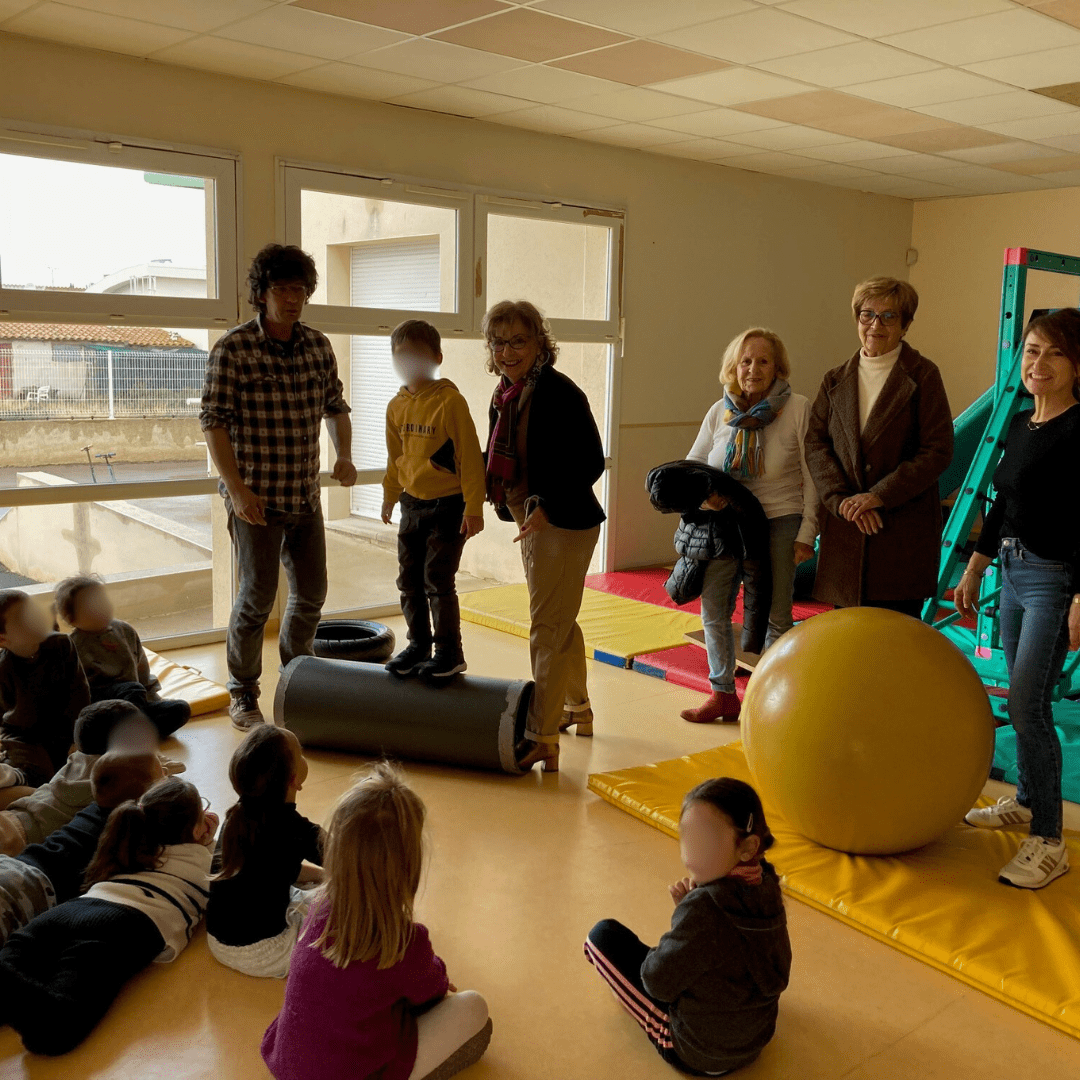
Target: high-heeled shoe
<point>528,753</point>
<point>579,717</point>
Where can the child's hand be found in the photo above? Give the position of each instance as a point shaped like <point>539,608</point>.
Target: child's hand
<point>451,988</point>
<point>681,888</point>
<point>471,524</point>
<point>387,511</point>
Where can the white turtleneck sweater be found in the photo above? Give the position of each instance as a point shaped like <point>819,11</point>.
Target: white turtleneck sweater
<point>873,371</point>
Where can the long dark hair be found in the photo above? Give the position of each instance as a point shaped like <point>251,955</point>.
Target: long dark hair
<point>259,771</point>
<point>739,803</point>
<point>136,832</point>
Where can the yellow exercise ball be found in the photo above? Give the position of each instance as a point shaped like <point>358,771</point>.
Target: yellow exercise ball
<point>868,730</point>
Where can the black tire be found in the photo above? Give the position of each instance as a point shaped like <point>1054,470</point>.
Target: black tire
<point>354,639</point>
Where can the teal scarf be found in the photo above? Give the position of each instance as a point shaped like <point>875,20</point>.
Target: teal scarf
<point>745,456</point>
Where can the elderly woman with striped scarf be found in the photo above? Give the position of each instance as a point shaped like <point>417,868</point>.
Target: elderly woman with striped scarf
<point>543,457</point>
<point>755,433</point>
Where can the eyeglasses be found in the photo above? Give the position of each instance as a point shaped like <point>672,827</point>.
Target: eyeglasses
<point>886,318</point>
<point>515,344</point>
<point>205,803</point>
<point>290,290</point>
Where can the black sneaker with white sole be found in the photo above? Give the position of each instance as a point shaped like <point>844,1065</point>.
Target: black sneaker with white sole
<point>445,664</point>
<point>409,659</point>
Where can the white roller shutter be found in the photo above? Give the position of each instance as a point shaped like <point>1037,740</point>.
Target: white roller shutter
<point>400,273</point>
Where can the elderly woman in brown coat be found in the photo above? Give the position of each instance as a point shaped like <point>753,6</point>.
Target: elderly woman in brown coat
<point>880,434</point>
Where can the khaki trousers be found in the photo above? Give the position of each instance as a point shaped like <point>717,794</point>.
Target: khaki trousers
<point>556,562</point>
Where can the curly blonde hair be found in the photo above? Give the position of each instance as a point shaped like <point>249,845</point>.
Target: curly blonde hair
<point>503,314</point>
<point>733,354</point>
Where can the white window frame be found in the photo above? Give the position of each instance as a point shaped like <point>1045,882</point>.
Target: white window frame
<point>220,167</point>
<point>342,319</point>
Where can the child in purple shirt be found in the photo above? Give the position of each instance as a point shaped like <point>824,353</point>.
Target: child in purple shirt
<point>366,995</point>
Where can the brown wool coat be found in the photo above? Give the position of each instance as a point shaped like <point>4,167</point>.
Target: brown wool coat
<point>906,445</point>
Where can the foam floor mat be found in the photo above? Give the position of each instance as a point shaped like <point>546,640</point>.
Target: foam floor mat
<point>942,904</point>
<point>188,684</point>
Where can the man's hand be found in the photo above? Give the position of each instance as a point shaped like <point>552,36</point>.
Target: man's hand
<point>471,524</point>
<point>387,512</point>
<point>344,472</point>
<point>248,506</point>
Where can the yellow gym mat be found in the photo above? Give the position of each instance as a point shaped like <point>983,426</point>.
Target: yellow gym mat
<point>941,904</point>
<point>616,629</point>
<point>189,684</point>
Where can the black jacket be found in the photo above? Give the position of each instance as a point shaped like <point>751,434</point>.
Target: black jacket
<point>721,969</point>
<point>741,531</point>
<point>564,454</point>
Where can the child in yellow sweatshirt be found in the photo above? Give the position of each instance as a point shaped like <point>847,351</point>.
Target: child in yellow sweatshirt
<point>435,468</point>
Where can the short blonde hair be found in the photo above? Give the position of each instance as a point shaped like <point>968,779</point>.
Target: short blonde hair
<point>733,354</point>
<point>887,288</point>
<point>504,313</point>
<point>373,856</point>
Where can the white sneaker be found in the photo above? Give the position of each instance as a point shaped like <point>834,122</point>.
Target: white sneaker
<point>1006,811</point>
<point>1038,862</point>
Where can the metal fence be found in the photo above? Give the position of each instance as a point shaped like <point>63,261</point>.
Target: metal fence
<point>59,380</point>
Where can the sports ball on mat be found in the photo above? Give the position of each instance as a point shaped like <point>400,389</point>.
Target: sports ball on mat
<point>869,730</point>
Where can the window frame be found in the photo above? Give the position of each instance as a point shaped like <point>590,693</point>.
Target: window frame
<point>220,167</point>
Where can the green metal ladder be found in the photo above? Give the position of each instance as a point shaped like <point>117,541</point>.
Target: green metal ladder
<point>983,644</point>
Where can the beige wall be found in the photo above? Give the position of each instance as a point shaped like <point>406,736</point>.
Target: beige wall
<point>961,244</point>
<point>30,443</point>
<point>708,250</point>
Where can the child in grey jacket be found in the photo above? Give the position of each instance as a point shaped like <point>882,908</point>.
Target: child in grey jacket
<point>706,995</point>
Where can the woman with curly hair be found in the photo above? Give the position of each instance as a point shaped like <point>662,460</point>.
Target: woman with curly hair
<point>544,455</point>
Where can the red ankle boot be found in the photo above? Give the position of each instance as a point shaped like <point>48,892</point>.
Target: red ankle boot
<point>723,707</point>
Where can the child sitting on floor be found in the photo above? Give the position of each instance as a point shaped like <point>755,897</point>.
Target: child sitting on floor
<point>435,467</point>
<point>146,894</point>
<point>267,848</point>
<point>366,995</point>
<point>42,690</point>
<point>52,872</point>
<point>112,655</point>
<point>32,818</point>
<point>707,995</point>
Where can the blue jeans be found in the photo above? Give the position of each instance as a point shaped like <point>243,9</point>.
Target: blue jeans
<point>723,577</point>
<point>1033,615</point>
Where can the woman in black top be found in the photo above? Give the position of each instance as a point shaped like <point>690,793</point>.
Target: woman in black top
<point>544,455</point>
<point>1034,524</point>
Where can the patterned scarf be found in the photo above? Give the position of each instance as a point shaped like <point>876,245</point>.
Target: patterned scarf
<point>750,872</point>
<point>746,452</point>
<point>502,463</point>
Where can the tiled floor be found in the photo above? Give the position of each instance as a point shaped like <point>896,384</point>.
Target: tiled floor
<point>519,870</point>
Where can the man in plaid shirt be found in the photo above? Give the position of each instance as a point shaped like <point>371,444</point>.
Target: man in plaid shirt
<point>269,384</point>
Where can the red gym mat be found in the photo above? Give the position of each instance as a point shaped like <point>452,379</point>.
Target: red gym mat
<point>685,665</point>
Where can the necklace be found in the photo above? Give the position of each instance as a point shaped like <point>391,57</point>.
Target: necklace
<point>1035,425</point>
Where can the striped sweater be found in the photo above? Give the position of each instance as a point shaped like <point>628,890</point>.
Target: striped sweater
<point>174,895</point>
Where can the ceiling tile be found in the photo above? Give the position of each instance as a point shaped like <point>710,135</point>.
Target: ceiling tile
<point>758,35</point>
<point>853,150</point>
<point>830,173</point>
<point>876,18</point>
<point>292,30</point>
<point>987,37</point>
<point>1015,105</point>
<point>640,62</point>
<point>909,165</point>
<point>196,15</point>
<point>1006,151</point>
<point>409,16</point>
<point>788,137</point>
<point>953,137</point>
<point>235,58</point>
<point>636,103</point>
<point>538,82</point>
<point>1063,142</point>
<point>731,86</point>
<point>438,61</point>
<point>1037,128</point>
<point>1067,11</point>
<point>1063,179</point>
<point>645,17</point>
<point>530,35</point>
<point>13,7</point>
<point>718,123</point>
<point>912,189</point>
<point>927,88</point>
<point>813,105</point>
<point>634,135</point>
<point>1038,166</point>
<point>843,64</point>
<point>549,118</point>
<point>774,162</point>
<point>973,180</point>
<point>94,30</point>
<point>1035,69</point>
<point>461,101</point>
<point>337,78</point>
<point>705,150</point>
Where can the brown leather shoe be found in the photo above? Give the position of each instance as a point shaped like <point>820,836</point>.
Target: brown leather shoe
<point>723,707</point>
